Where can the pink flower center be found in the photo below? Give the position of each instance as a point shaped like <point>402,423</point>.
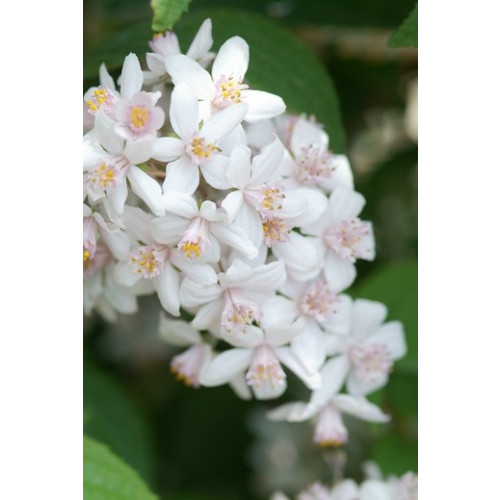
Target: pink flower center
<point>138,118</point>
<point>267,199</point>
<point>330,430</point>
<point>238,312</point>
<point>275,230</point>
<point>314,165</point>
<point>101,97</point>
<point>370,360</point>
<point>92,264</point>
<point>319,301</point>
<point>228,91</point>
<point>187,365</point>
<point>265,368</point>
<point>194,241</point>
<point>108,174</point>
<point>201,150</point>
<point>351,239</point>
<point>148,260</point>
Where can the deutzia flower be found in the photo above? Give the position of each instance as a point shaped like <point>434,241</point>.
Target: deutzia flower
<point>327,405</point>
<point>109,161</point>
<point>198,232</point>
<point>369,349</point>
<point>195,147</point>
<point>225,86</point>
<point>343,236</point>
<point>234,303</point>
<point>259,352</point>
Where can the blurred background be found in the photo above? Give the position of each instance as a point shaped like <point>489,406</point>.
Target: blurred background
<point>206,443</point>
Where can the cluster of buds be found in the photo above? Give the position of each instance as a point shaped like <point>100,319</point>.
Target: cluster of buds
<point>238,216</point>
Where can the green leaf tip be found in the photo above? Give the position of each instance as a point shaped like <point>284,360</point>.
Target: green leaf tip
<point>166,13</point>
<point>407,34</point>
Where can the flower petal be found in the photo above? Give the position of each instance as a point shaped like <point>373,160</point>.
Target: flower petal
<point>266,164</point>
<point>344,204</point>
<point>224,122</point>
<point>238,172</point>
<point>285,355</point>
<point>360,408</point>
<point>178,332</point>
<point>167,149</point>
<point>262,105</point>
<point>214,172</point>
<point>147,188</point>
<point>167,287</point>
<point>309,347</point>
<point>225,366</point>
<point>333,376</point>
<point>131,78</point>
<point>184,111</point>
<point>202,41</point>
<point>231,59</point>
<point>392,336</point>
<point>181,175</point>
<point>367,317</point>
<point>193,294</point>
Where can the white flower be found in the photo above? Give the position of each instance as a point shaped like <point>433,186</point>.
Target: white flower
<point>370,347</point>
<point>198,232</point>
<point>105,96</point>
<point>195,147</point>
<point>109,161</point>
<point>225,86</point>
<point>327,405</point>
<point>312,163</point>
<point>188,365</point>
<point>259,352</point>
<point>168,44</point>
<point>158,263</point>
<point>233,304</point>
<point>343,236</point>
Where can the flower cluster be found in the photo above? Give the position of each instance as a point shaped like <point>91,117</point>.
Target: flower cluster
<point>201,190</point>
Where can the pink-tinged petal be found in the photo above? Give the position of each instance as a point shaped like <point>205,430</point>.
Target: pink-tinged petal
<point>309,346</point>
<point>235,238</point>
<point>344,204</point>
<point>183,70</point>
<point>225,366</point>
<point>181,204</point>
<point>184,111</point>
<point>105,79</point>
<point>285,355</point>
<point>193,294</point>
<point>202,41</point>
<point>333,376</point>
<point>392,336</point>
<point>232,204</point>
<point>236,275</point>
<point>248,219</point>
<point>147,189</point>
<point>340,273</point>
<point>104,128</point>
<point>181,175</point>
<point>131,78</point>
<point>208,316</point>
<point>223,122</point>
<point>214,172</point>
<point>167,149</point>
<point>359,387</point>
<point>117,196</point>
<point>178,332</point>
<point>360,408</point>
<point>262,105</point>
<point>367,316</point>
<point>232,59</point>
<point>251,338</point>
<point>341,175</point>
<point>138,151</point>
<point>239,385</point>
<point>307,134</point>
<point>267,391</point>
<point>118,243</point>
<point>168,229</point>
<point>157,118</point>
<point>341,322</point>
<point>316,206</point>
<point>167,287</point>
<point>266,164</point>
<point>291,412</point>
<point>238,173</point>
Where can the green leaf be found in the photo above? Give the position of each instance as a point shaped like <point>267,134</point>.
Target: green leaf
<point>107,477</point>
<point>111,417</point>
<point>395,455</point>
<point>407,34</point>
<point>279,63</point>
<point>396,285</point>
<point>167,12</point>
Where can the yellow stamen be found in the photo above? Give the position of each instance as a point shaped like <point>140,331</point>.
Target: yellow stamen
<point>139,116</point>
